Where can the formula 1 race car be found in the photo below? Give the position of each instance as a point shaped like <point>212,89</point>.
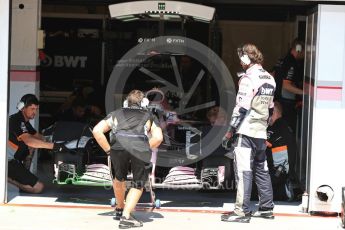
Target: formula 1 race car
<point>85,163</point>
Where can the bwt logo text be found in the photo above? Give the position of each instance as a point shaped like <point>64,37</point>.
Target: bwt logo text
<point>266,91</point>
<point>65,61</point>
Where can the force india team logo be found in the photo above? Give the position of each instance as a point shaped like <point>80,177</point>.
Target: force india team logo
<point>197,143</point>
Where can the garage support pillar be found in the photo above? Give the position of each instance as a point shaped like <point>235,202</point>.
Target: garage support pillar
<point>4,64</point>
<point>24,74</point>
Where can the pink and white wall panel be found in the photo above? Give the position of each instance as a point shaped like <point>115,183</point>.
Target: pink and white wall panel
<point>4,63</point>
<point>24,77</point>
<point>326,144</point>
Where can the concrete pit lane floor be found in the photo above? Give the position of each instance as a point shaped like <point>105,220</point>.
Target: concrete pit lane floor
<point>79,207</point>
<point>72,207</point>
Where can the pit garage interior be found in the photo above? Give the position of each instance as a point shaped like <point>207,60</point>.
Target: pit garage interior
<point>62,48</point>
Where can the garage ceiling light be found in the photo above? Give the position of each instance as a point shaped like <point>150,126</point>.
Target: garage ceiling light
<point>130,19</point>
<point>125,17</point>
<point>171,16</point>
<point>173,10</point>
<point>154,15</point>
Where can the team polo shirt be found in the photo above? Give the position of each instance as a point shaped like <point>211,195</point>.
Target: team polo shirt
<point>16,148</point>
<point>131,121</point>
<point>291,71</point>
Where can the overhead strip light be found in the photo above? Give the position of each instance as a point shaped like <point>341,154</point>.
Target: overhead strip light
<point>154,15</point>
<point>171,16</point>
<point>125,17</point>
<point>130,19</point>
<point>200,19</point>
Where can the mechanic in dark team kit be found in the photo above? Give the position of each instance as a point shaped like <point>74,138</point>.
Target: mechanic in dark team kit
<point>133,134</point>
<point>289,77</point>
<point>23,139</point>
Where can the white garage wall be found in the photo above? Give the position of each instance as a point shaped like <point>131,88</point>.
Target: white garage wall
<point>4,55</point>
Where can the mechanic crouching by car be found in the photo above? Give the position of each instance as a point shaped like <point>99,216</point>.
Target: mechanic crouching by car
<point>23,139</point>
<point>129,127</point>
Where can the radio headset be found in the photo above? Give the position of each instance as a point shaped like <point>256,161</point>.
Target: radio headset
<point>24,100</point>
<point>243,56</point>
<point>298,48</point>
<point>20,105</point>
<point>125,104</point>
<point>143,103</point>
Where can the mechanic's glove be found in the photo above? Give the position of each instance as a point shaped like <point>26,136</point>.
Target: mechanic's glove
<point>227,140</point>
<point>60,147</point>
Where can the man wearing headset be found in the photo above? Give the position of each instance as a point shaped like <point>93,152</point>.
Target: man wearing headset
<point>129,126</point>
<point>289,77</point>
<point>249,121</point>
<point>23,139</point>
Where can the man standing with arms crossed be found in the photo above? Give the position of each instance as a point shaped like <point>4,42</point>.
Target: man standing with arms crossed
<point>247,130</point>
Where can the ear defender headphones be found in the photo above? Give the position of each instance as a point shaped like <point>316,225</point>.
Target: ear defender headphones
<point>143,103</point>
<point>125,104</point>
<point>20,105</point>
<point>243,56</point>
<point>298,48</point>
<point>27,98</point>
